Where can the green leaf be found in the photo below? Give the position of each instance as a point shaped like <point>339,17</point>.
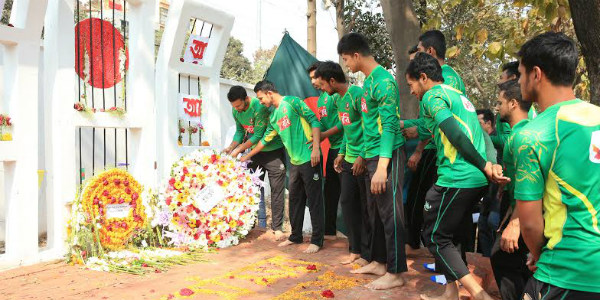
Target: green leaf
<point>481,35</point>
<point>452,52</point>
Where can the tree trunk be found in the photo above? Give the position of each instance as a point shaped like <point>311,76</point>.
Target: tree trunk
<point>402,24</point>
<point>586,19</point>
<point>312,27</point>
<point>339,25</point>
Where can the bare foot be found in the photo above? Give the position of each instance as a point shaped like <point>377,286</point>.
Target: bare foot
<point>312,248</point>
<point>386,282</point>
<point>450,293</point>
<point>361,262</point>
<point>352,258</point>
<point>330,237</point>
<point>279,235</point>
<point>285,243</point>
<point>374,268</point>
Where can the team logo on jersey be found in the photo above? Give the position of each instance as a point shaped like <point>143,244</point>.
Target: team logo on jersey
<point>595,147</point>
<point>363,105</point>
<point>467,104</point>
<point>347,106</point>
<point>251,121</point>
<point>249,128</point>
<point>315,177</point>
<point>284,123</point>
<point>345,118</point>
<point>322,112</point>
<point>326,98</point>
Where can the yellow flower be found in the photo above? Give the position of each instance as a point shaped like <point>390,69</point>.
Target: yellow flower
<point>178,185</point>
<point>6,136</point>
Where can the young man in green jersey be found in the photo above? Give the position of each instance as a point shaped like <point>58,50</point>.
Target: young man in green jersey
<point>462,171</point>
<point>350,162</point>
<point>299,129</point>
<point>331,128</point>
<point>557,184</point>
<point>432,42</point>
<point>251,120</point>
<point>384,152</point>
<point>509,253</point>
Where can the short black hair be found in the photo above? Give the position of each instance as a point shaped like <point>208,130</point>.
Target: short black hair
<point>488,115</point>
<point>236,92</point>
<point>265,86</point>
<point>555,54</point>
<point>352,43</point>
<point>425,63</point>
<point>511,68</point>
<point>328,70</point>
<point>512,90</point>
<point>413,49</point>
<point>436,40</point>
<point>313,66</point>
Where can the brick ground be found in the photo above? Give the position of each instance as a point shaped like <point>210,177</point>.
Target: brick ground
<point>56,280</point>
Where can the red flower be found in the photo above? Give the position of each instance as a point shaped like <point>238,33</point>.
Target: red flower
<point>220,182</point>
<point>182,179</point>
<point>121,201</point>
<point>181,59</point>
<point>105,182</point>
<point>117,181</point>
<point>185,170</point>
<point>105,193</point>
<point>175,215</point>
<point>128,190</point>
<point>96,201</point>
<point>195,62</point>
<point>231,277</point>
<point>205,168</point>
<point>135,196</point>
<point>265,280</point>
<point>196,235</point>
<point>327,294</point>
<point>145,265</point>
<point>178,204</point>
<point>126,182</point>
<point>8,123</point>
<point>311,267</point>
<point>182,130</point>
<point>168,201</point>
<point>213,158</point>
<point>172,181</point>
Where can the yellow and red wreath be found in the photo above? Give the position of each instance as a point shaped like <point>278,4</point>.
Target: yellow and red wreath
<point>112,200</point>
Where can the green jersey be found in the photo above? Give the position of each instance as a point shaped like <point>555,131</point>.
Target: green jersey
<point>558,161</point>
<point>508,158</point>
<point>351,118</point>
<point>253,124</point>
<point>293,122</point>
<point>440,103</point>
<point>380,107</point>
<point>327,109</point>
<point>452,79</point>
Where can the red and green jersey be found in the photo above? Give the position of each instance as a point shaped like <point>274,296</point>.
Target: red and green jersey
<point>351,118</point>
<point>454,171</point>
<point>327,110</point>
<point>293,122</point>
<point>558,161</point>
<point>380,106</point>
<point>508,158</point>
<point>253,124</point>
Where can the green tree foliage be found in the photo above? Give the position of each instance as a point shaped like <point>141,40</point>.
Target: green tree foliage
<point>483,34</point>
<point>262,61</point>
<point>366,17</point>
<point>235,65</point>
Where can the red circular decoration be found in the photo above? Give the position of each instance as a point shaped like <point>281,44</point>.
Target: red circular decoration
<point>97,46</point>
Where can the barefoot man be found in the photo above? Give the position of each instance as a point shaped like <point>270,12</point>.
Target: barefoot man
<point>384,152</point>
<point>292,120</point>
<point>462,171</point>
<point>350,160</point>
<point>251,119</point>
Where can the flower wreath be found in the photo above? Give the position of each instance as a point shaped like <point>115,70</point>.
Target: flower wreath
<point>112,200</point>
<point>210,200</point>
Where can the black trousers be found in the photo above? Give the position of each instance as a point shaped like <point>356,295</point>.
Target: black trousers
<point>306,189</point>
<point>386,214</point>
<point>423,178</point>
<point>332,193</point>
<point>273,162</point>
<point>537,290</point>
<point>447,212</point>
<point>510,269</point>
<point>353,201</point>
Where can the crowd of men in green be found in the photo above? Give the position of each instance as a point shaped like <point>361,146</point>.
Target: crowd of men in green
<point>546,173</point>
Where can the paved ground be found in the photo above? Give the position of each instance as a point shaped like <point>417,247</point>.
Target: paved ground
<point>255,269</point>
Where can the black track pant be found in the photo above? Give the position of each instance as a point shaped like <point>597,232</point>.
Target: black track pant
<point>353,201</point>
<point>386,214</point>
<point>332,193</point>
<point>537,290</point>
<point>423,178</point>
<point>306,183</point>
<point>447,212</point>
<point>273,162</point>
